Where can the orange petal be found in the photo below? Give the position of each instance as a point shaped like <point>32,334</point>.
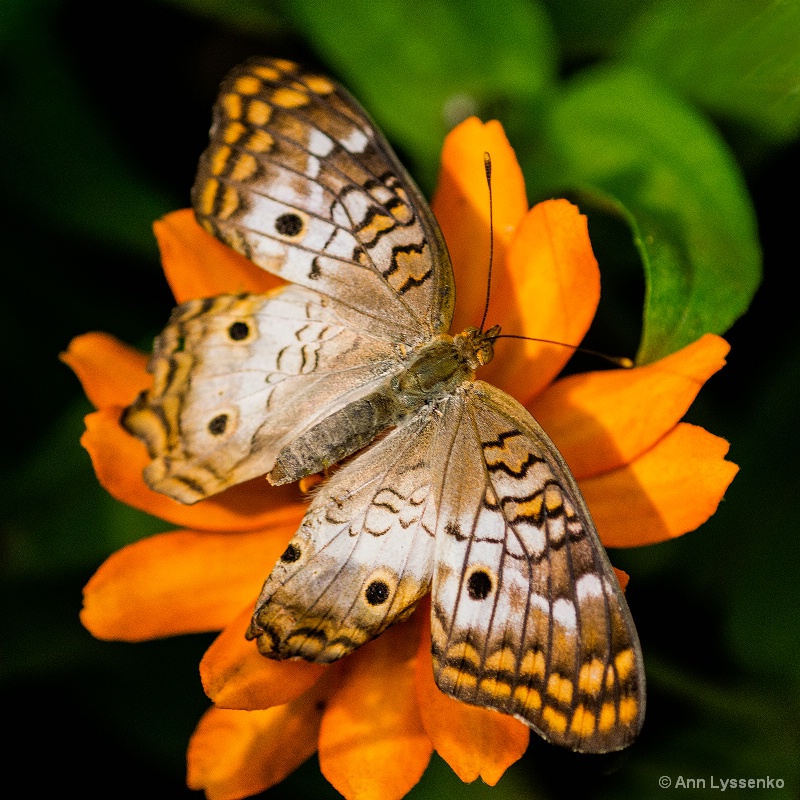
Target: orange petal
<point>198,265</point>
<point>622,577</point>
<point>236,675</point>
<point>235,754</point>
<point>461,205</point>
<point>670,490</point>
<point>180,582</point>
<point>111,373</point>
<point>475,742</point>
<point>552,292</point>
<point>372,743</point>
<point>120,458</point>
<point>603,420</point>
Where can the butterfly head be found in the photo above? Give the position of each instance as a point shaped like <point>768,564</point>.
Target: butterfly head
<point>476,346</point>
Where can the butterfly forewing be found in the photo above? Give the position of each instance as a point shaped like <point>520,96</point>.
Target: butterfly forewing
<point>528,616</point>
<point>298,179</point>
<point>237,378</point>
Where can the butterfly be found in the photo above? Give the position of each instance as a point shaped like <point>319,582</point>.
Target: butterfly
<point>445,485</point>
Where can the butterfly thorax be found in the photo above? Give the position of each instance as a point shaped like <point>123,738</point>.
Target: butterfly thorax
<point>440,366</point>
<point>433,372</point>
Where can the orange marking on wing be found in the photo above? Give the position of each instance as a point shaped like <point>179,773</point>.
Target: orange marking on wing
<point>583,722</point>
<point>319,84</point>
<point>608,718</point>
<point>554,720</point>
<point>611,677</point>
<point>528,698</point>
<point>377,224</point>
<point>533,663</point>
<point>233,132</point>
<point>246,166</point>
<point>463,651</point>
<point>552,498</point>
<point>230,202</point>
<point>247,84</point>
<point>559,688</point>
<point>260,142</point>
<point>289,98</point>
<point>494,688</point>
<point>208,195</point>
<point>259,112</point>
<point>219,160</point>
<point>590,678</point>
<point>267,73</point>
<point>624,662</point>
<point>628,710</point>
<point>502,659</point>
<point>232,104</point>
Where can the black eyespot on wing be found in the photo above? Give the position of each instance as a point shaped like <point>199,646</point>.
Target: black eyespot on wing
<point>288,224</point>
<point>290,554</point>
<point>238,331</point>
<point>479,585</point>
<point>217,425</point>
<point>377,593</point>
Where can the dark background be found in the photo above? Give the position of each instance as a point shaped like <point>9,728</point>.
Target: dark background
<point>104,111</point>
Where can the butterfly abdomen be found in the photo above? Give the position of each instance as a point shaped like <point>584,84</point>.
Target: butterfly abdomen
<point>341,434</point>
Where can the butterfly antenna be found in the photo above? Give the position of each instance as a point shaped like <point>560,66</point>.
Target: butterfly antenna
<point>487,165</point>
<point>618,361</point>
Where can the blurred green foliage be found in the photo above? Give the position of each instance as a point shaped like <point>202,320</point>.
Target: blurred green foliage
<point>673,123</point>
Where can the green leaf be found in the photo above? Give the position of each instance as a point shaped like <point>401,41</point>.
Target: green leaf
<point>591,28</point>
<point>620,139</point>
<point>739,60</point>
<point>420,68</point>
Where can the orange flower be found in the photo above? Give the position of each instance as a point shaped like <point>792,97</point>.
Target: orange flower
<point>376,716</point>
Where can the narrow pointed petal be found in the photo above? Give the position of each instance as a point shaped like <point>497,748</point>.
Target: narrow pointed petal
<point>475,742</point>
<point>461,205</point>
<point>111,373</point>
<point>180,582</point>
<point>555,284</point>
<point>670,490</point>
<point>235,675</point>
<point>119,460</point>
<point>236,754</point>
<point>372,743</point>
<point>198,265</point>
<point>604,420</point>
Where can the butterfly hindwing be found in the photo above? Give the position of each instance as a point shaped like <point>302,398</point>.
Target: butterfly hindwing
<point>298,179</point>
<point>362,557</point>
<point>528,617</point>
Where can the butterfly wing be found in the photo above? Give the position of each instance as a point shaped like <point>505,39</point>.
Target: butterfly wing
<point>528,617</point>
<point>238,377</point>
<point>299,180</point>
<point>296,178</point>
<point>362,557</point>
